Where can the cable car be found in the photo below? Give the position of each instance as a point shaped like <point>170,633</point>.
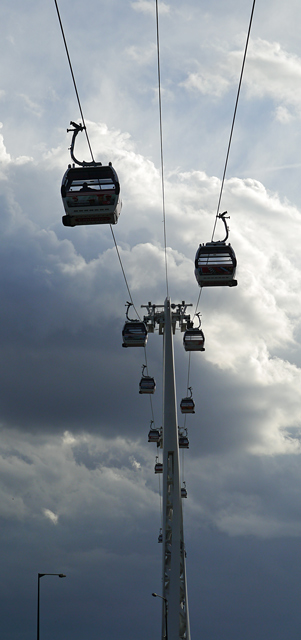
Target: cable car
<point>183,439</point>
<point>134,334</point>
<point>215,262</point>
<point>194,340</point>
<point>187,404</point>
<point>183,442</point>
<point>160,536</point>
<point>154,435</point>
<point>184,491</point>
<point>146,384</point>
<point>158,466</point>
<point>90,192</point>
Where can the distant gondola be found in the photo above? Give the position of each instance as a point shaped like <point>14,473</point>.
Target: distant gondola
<point>158,466</point>
<point>146,384</point>
<point>134,333</point>
<point>194,339</point>
<point>154,435</point>
<point>215,262</point>
<point>90,192</point>
<point>183,439</point>
<point>187,404</point>
<point>184,491</point>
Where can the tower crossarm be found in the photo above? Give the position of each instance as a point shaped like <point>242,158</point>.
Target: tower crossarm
<point>155,316</point>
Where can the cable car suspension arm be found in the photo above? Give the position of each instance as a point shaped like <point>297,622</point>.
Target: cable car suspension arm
<point>77,128</point>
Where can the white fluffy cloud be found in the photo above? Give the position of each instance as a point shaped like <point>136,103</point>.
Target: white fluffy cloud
<point>74,449</point>
<point>270,72</point>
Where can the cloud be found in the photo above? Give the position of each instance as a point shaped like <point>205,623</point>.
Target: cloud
<point>73,425</point>
<point>141,55</point>
<point>146,6</point>
<point>51,516</point>
<point>32,106</point>
<point>60,296</point>
<point>207,83</point>
<point>4,156</point>
<point>270,72</point>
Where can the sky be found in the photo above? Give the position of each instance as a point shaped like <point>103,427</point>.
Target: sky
<point>78,493</point>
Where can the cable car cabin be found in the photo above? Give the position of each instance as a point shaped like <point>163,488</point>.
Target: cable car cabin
<point>187,405</point>
<point>134,334</point>
<point>183,492</point>
<point>194,340</point>
<point>183,442</point>
<point>91,195</point>
<point>154,435</point>
<point>159,467</point>
<point>147,385</point>
<point>215,265</point>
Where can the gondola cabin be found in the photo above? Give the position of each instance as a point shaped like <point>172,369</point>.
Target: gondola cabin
<point>194,340</point>
<point>215,265</point>
<point>159,467</point>
<point>183,492</point>
<point>91,195</point>
<point>154,435</point>
<point>187,405</point>
<point>147,385</point>
<point>183,442</point>
<point>134,334</point>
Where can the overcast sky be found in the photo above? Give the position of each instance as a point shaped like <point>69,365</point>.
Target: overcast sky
<point>78,493</point>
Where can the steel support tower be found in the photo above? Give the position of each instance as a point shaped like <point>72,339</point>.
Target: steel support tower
<point>175,614</point>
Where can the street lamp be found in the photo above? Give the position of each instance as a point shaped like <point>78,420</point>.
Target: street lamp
<point>40,575</point>
<point>156,595</point>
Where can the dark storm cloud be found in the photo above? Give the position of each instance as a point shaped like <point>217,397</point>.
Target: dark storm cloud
<point>78,492</point>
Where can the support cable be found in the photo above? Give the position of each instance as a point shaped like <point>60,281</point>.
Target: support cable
<point>73,78</point>
<point>161,143</point>
<point>228,149</point>
<point>230,138</point>
<point>89,144</point>
<point>150,396</point>
<point>234,116</point>
<point>123,272</point>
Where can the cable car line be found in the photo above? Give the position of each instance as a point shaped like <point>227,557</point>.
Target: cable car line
<point>161,143</point>
<point>150,397</point>
<point>123,273</point>
<point>73,78</point>
<point>81,128</point>
<point>188,374</point>
<point>215,263</point>
<point>234,116</point>
<point>89,144</point>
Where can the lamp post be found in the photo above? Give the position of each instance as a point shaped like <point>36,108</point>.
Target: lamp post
<point>40,575</point>
<point>156,595</point>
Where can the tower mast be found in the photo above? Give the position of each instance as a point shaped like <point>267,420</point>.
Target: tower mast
<point>175,624</point>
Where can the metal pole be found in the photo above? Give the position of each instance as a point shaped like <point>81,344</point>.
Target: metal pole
<point>40,575</point>
<point>38,614</point>
<point>166,619</point>
<point>172,508</point>
<point>175,625</point>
